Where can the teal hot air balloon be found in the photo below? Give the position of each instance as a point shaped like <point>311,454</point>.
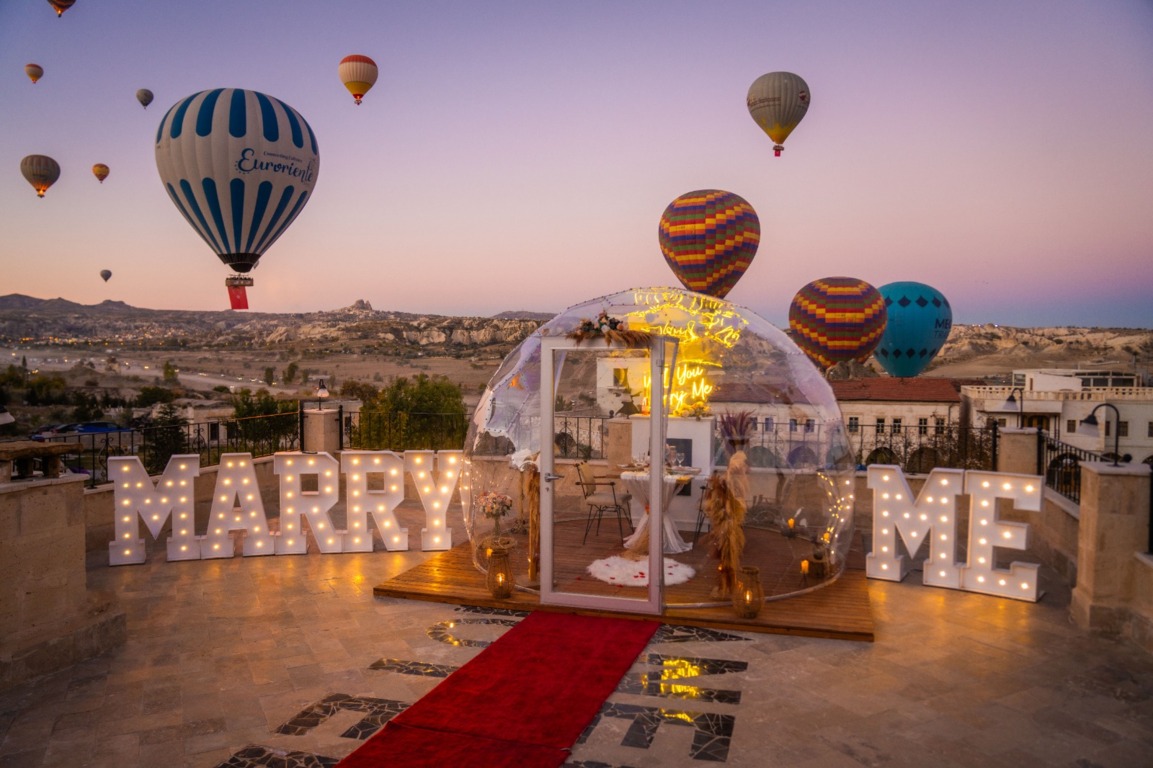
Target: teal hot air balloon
<point>240,166</point>
<point>920,319</point>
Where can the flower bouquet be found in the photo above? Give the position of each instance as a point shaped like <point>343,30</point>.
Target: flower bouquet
<point>611,329</point>
<point>495,506</point>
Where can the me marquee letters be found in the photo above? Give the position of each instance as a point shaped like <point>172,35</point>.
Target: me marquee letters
<point>932,517</point>
<point>237,505</point>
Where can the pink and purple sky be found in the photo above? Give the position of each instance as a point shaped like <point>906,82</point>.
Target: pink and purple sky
<point>518,155</point>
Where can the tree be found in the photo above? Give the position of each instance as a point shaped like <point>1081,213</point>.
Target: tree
<point>164,438</point>
<point>359,390</point>
<point>425,413</point>
<point>171,373</point>
<point>269,375</point>
<point>152,395</point>
<point>290,372</point>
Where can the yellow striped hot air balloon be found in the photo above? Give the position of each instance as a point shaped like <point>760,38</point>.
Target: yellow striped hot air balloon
<point>777,102</point>
<point>358,73</point>
<point>100,171</point>
<point>34,71</point>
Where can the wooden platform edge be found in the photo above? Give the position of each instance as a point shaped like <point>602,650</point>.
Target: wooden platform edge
<point>839,611</point>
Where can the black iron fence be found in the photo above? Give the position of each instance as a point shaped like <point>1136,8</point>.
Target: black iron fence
<point>1060,463</point>
<point>396,431</point>
<point>257,435</point>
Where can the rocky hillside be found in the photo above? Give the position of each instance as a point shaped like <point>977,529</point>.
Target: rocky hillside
<point>27,320</point>
<point>981,349</point>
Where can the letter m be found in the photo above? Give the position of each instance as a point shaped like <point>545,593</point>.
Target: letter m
<point>135,497</point>
<point>930,517</point>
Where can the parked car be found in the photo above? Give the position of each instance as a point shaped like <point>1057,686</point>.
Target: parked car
<point>98,427</point>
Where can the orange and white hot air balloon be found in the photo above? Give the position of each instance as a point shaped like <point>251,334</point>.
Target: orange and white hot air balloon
<point>358,73</point>
<point>34,71</point>
<point>40,171</point>
<point>100,171</point>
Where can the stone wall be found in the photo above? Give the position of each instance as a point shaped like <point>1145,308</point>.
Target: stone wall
<point>50,618</point>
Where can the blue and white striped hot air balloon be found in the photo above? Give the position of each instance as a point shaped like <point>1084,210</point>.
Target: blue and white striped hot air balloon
<point>240,166</point>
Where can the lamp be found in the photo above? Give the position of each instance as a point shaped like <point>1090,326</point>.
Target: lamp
<point>499,576</point>
<point>748,594</point>
<point>1091,428</point>
<point>321,395</point>
<point>1011,405</point>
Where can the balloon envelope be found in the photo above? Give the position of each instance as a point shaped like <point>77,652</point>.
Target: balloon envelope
<point>358,73</point>
<point>61,6</point>
<point>837,320</point>
<point>144,96</point>
<point>34,71</point>
<point>40,171</point>
<point>777,102</point>
<point>709,237</point>
<point>100,171</point>
<point>106,273</point>
<point>240,166</point>
<point>920,319</point>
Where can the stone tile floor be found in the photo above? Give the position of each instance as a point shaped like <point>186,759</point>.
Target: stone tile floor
<point>290,661</point>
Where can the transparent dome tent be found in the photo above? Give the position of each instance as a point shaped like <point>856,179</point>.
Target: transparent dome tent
<point>758,470</point>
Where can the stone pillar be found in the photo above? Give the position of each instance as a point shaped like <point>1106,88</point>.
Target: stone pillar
<point>1017,451</point>
<point>1114,532</point>
<point>321,431</point>
<point>618,442</point>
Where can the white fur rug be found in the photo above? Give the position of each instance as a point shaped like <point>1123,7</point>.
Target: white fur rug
<point>634,573</point>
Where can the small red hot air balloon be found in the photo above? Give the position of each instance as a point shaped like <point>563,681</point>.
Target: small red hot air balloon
<point>358,73</point>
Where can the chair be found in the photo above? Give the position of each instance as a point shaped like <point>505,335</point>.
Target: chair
<point>601,501</point>
<point>702,514</point>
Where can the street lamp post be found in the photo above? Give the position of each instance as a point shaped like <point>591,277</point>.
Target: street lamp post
<point>1089,423</point>
<point>321,395</point>
<point>1012,404</point>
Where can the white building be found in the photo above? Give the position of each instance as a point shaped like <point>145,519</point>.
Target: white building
<point>1057,400</point>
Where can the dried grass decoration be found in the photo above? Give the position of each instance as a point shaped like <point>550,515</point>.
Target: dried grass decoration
<point>612,330</point>
<point>727,537</point>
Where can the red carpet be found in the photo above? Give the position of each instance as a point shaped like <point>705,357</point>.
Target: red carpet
<point>522,702</point>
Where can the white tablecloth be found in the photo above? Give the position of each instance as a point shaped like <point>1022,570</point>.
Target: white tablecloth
<point>638,486</point>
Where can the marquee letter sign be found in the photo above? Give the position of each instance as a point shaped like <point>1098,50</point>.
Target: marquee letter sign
<point>932,517</point>
<point>309,485</point>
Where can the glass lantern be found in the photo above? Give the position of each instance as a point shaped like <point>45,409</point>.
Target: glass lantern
<point>748,594</point>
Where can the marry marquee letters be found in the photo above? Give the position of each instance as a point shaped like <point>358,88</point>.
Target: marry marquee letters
<point>237,504</point>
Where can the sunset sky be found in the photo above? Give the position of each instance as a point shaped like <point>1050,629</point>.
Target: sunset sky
<point>518,155</point>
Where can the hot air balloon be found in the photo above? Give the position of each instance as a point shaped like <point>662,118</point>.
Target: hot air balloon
<point>920,319</point>
<point>777,102</point>
<point>837,319</point>
<point>709,238</point>
<point>34,71</point>
<point>100,171</point>
<point>144,96</point>
<point>61,6</point>
<point>358,73</point>
<point>240,166</point>
<point>41,172</point>
<point>106,273</point>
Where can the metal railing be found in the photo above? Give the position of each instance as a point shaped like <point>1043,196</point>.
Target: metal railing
<point>917,449</point>
<point>1060,464</point>
<point>257,435</point>
<point>396,431</point>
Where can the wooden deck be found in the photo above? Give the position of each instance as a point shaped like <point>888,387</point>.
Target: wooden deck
<point>838,608</point>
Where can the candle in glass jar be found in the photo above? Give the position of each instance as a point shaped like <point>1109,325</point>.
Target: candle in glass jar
<point>805,567</point>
